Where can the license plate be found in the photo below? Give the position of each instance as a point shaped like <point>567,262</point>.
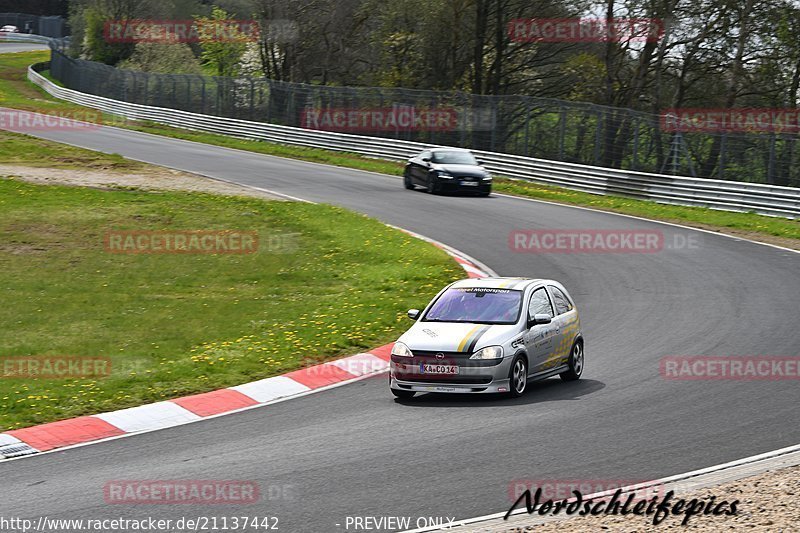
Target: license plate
<point>470,183</point>
<point>439,369</point>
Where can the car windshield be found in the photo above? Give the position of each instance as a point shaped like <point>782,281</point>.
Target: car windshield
<point>482,305</point>
<point>454,158</point>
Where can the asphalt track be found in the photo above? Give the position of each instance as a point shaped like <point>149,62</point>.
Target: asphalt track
<point>354,451</point>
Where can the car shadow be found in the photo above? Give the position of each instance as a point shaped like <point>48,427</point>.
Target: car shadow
<point>455,194</point>
<point>548,390</point>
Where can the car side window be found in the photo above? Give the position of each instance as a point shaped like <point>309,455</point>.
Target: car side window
<point>563,304</point>
<point>425,154</point>
<point>540,304</point>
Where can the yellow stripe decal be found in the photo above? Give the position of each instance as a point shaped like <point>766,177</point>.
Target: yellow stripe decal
<point>466,338</point>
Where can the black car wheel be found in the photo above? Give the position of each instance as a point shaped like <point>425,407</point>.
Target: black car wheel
<point>407,181</point>
<point>432,187</point>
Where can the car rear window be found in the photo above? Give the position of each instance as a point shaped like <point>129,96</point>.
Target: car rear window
<point>563,304</point>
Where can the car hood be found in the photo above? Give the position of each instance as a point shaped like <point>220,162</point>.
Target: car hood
<point>462,170</point>
<point>455,336</point>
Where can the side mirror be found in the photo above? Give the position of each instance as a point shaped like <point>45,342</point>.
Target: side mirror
<point>426,159</point>
<point>413,314</point>
<point>539,319</point>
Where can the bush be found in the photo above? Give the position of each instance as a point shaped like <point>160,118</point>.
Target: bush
<point>173,58</point>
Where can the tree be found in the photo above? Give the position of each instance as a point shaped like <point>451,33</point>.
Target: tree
<point>222,43</point>
<point>173,58</point>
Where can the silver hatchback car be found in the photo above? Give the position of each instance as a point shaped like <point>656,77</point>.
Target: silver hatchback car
<point>489,335</point>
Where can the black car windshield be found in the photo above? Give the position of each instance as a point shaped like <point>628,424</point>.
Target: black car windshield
<point>454,158</point>
<point>482,305</point>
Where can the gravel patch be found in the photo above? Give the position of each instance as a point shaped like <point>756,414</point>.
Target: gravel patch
<point>153,179</point>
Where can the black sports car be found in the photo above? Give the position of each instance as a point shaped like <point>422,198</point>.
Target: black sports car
<point>447,170</point>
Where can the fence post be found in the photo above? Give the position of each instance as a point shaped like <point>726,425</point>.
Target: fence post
<point>203,94</point>
<point>527,124</point>
<point>252,97</point>
<point>598,136</point>
<point>635,143</point>
<point>494,129</point>
<point>562,132</point>
<point>723,147</point>
<point>771,167</point>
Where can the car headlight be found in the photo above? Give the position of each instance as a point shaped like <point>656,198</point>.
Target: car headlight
<point>490,352</point>
<point>401,350</point>
<point>444,174</point>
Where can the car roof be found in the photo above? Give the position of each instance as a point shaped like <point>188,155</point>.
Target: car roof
<point>445,149</point>
<point>497,283</point>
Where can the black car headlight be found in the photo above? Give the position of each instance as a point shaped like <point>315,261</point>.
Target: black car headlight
<point>444,174</point>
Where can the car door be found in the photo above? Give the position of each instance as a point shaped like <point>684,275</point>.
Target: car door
<point>419,174</point>
<point>539,338</point>
<point>565,323</point>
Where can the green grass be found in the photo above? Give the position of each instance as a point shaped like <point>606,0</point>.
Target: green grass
<point>708,218</point>
<point>32,152</point>
<point>698,216</point>
<point>180,324</point>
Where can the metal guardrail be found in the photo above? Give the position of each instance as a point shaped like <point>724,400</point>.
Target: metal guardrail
<point>24,38</point>
<point>716,194</point>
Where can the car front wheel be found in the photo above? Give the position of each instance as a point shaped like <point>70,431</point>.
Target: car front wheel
<point>432,187</point>
<point>518,378</point>
<point>407,181</point>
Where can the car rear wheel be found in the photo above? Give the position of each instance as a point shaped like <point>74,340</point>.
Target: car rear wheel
<point>403,393</point>
<point>575,363</point>
<point>518,377</point>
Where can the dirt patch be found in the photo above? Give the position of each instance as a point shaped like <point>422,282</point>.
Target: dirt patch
<point>154,179</point>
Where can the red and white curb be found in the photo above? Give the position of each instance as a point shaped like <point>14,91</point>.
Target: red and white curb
<point>179,411</point>
<point>473,267</point>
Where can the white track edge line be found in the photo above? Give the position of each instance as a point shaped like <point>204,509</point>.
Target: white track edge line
<point>202,419</point>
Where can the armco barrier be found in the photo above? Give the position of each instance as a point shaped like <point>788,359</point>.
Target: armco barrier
<point>716,194</point>
<point>25,38</point>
